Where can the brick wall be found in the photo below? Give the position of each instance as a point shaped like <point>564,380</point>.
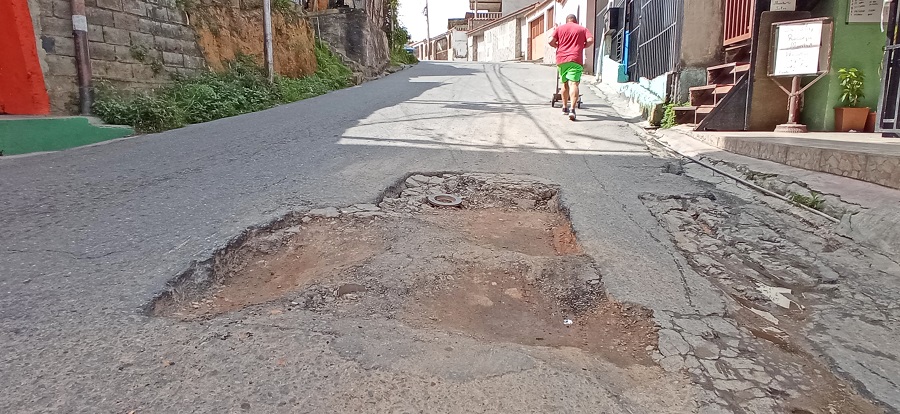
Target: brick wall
<point>133,43</point>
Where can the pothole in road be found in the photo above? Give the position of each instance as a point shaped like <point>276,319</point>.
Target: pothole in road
<point>505,267</point>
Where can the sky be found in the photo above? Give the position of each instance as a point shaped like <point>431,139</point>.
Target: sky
<point>411,15</point>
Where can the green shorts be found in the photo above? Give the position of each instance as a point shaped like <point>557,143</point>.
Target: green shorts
<point>570,72</point>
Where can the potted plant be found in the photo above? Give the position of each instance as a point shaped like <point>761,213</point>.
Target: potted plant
<point>851,117</point>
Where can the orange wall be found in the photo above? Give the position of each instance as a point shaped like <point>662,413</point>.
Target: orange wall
<point>22,89</point>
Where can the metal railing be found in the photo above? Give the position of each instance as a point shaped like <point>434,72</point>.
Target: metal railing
<point>488,16</point>
<point>482,19</point>
<point>648,44</point>
<point>739,15</point>
<point>655,37</point>
<point>889,101</point>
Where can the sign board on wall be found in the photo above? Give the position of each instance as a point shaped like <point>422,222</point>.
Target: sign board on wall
<point>784,5</point>
<point>865,11</point>
<point>801,47</point>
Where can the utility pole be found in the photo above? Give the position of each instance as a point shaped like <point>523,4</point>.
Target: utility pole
<point>429,50</point>
<point>267,33</point>
<point>82,57</point>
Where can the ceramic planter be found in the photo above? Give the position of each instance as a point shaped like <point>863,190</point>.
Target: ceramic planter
<point>850,119</point>
<point>871,121</point>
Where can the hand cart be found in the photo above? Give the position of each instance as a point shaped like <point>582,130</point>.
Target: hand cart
<point>557,97</point>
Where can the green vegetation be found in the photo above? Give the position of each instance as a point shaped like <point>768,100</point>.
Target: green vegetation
<point>242,88</point>
<point>185,5</point>
<point>851,81</point>
<point>286,8</point>
<point>813,200</point>
<point>758,176</point>
<point>402,57</point>
<point>398,37</point>
<point>668,119</point>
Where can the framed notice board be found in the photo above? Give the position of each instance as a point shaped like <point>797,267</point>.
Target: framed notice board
<point>801,47</point>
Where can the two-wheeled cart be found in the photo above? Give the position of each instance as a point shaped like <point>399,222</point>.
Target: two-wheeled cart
<point>557,97</point>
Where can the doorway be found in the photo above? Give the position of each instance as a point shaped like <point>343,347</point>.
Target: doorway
<point>889,102</point>
<point>537,29</point>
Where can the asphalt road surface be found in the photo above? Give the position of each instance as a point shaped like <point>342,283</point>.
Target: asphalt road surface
<point>91,235</point>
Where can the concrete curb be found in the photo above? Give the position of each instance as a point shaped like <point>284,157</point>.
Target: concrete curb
<point>868,212</point>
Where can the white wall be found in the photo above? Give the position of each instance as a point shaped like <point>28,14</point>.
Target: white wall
<point>576,7</point>
<point>501,43</point>
<point>460,45</point>
<point>524,31</point>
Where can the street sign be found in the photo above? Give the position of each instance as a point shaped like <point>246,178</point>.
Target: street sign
<point>801,47</point>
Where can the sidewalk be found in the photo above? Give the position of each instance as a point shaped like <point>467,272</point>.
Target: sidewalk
<point>869,213</point>
<point>866,157</point>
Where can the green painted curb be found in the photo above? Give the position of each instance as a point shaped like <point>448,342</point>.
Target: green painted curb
<point>23,136</point>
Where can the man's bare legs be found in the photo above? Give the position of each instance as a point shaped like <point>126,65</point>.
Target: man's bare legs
<point>572,89</point>
<point>574,93</point>
<point>565,96</point>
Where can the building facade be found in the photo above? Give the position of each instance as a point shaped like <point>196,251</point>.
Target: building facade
<point>715,56</point>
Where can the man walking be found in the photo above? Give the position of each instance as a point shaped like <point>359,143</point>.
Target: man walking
<point>570,40</point>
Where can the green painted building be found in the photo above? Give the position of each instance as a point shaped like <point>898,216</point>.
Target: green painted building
<point>856,45</point>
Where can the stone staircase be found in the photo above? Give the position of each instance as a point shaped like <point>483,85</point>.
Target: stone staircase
<point>720,80</point>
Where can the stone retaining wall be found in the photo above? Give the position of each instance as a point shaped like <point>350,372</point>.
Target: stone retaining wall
<point>356,36</point>
<point>141,44</point>
<point>135,42</point>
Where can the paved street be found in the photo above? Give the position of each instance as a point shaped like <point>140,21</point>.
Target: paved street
<point>92,235</point>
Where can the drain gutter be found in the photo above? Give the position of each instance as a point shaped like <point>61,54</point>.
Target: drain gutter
<point>749,184</point>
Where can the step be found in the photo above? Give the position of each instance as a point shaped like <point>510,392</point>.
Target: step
<point>745,67</point>
<point>738,46</point>
<point>727,72</point>
<point>723,89</point>
<point>702,112</point>
<point>704,88</point>
<point>702,95</point>
<point>731,66</point>
<point>705,109</point>
<point>728,75</point>
<point>685,114</point>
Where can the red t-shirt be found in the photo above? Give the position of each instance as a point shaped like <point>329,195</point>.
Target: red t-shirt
<point>571,38</point>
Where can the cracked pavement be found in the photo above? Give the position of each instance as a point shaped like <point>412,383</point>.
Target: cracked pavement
<point>91,235</point>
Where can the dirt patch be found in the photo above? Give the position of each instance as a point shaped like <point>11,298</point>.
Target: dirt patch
<point>502,305</point>
<point>281,263</point>
<point>507,267</point>
<point>535,233</point>
<point>225,32</point>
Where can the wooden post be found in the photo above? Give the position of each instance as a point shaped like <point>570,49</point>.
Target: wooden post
<point>794,101</point>
<point>792,125</point>
<point>429,50</point>
<point>267,34</point>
